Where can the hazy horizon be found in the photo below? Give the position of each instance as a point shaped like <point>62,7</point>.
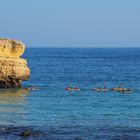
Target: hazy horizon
<point>83,47</point>
<point>72,23</point>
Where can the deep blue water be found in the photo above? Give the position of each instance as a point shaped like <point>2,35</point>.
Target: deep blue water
<point>81,114</point>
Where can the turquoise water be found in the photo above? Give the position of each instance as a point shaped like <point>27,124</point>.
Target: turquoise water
<point>84,114</point>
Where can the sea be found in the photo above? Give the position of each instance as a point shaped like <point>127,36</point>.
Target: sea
<point>52,113</point>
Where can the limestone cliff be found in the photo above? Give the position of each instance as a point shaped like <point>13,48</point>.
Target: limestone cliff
<point>13,69</point>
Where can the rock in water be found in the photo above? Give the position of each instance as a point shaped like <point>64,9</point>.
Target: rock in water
<point>13,69</point>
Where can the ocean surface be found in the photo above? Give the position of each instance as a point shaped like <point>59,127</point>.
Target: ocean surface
<point>75,115</point>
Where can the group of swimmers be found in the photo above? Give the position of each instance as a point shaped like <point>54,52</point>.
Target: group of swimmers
<point>97,89</point>
<point>104,89</point>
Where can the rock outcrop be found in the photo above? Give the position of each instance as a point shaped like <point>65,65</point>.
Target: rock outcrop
<point>13,69</point>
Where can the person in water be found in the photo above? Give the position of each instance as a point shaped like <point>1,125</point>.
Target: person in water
<point>105,88</point>
<point>99,89</point>
<point>72,88</point>
<point>126,90</point>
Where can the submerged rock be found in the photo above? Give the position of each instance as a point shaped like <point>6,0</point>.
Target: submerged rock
<point>13,69</point>
<point>26,133</point>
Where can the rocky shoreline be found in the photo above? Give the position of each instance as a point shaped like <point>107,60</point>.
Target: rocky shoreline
<point>13,69</point>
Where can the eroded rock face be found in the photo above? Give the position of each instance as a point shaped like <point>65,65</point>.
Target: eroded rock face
<point>13,69</point>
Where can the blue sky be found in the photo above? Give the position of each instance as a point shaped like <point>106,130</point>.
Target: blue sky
<point>72,23</point>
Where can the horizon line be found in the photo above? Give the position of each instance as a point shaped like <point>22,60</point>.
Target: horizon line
<point>84,47</point>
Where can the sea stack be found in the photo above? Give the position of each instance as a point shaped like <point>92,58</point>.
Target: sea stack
<point>13,69</point>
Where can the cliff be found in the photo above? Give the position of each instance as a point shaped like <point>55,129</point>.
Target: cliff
<point>13,69</point>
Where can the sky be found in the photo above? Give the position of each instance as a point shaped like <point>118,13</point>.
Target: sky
<point>71,23</point>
